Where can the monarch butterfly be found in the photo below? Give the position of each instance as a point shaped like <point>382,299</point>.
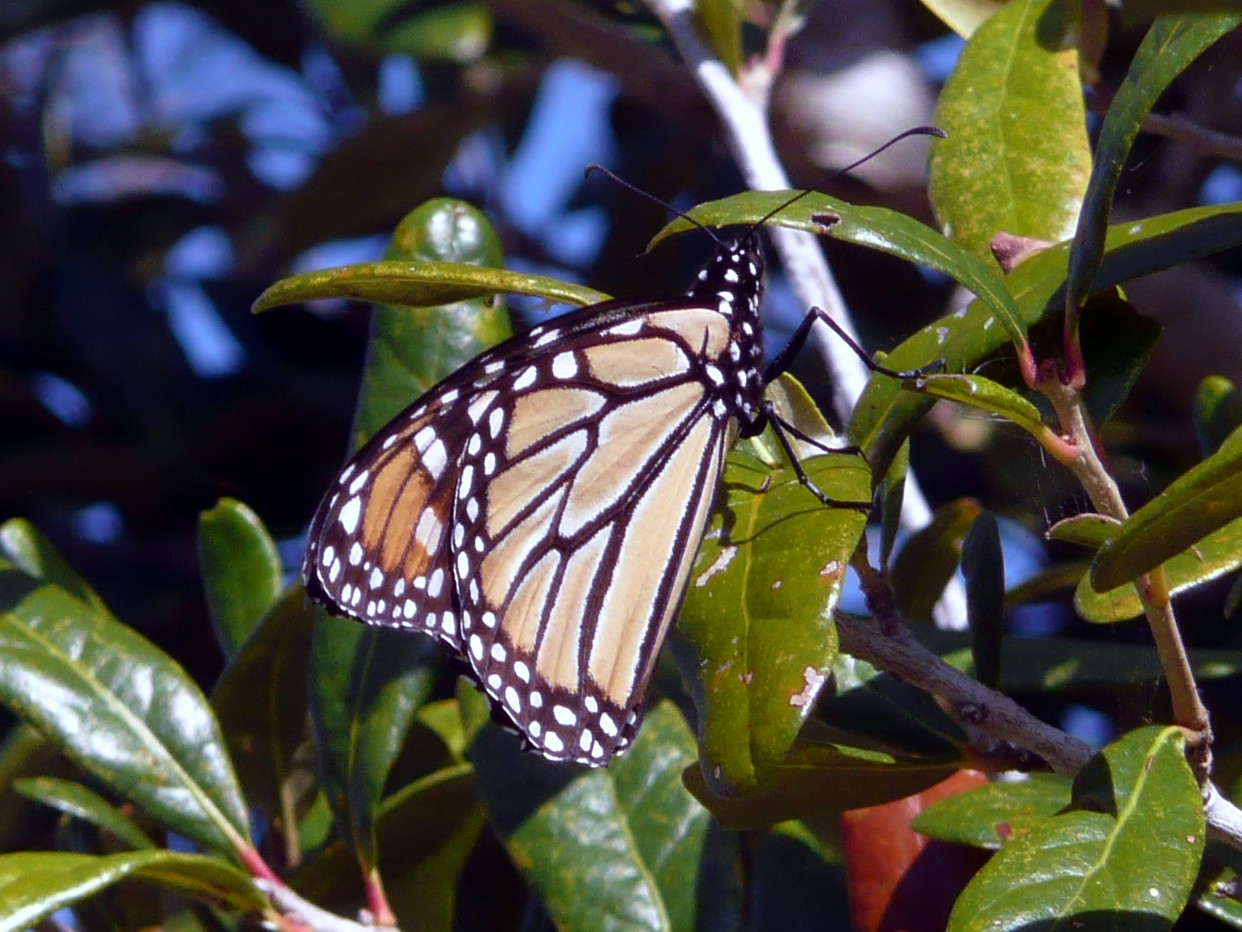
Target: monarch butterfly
<point>538,511</point>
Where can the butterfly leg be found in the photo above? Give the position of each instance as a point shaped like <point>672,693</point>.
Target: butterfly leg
<point>786,356</point>
<point>782,429</point>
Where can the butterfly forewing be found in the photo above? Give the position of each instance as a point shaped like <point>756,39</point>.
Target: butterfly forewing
<point>579,508</point>
<point>539,510</point>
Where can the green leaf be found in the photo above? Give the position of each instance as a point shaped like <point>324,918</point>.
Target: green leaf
<point>261,703</point>
<point>1210,557</point>
<point>614,848</point>
<point>458,33</point>
<point>975,391</point>
<point>1088,530</point>
<point>1218,412</point>
<point>34,885</point>
<point>929,559</point>
<point>1167,49</point>
<point>425,833</point>
<point>819,780</point>
<point>991,815</point>
<point>420,284</point>
<point>367,684</point>
<point>983,566</point>
<point>77,800</point>
<point>119,708</point>
<point>1204,499</point>
<point>241,570</point>
<point>1017,157</point>
<point>1117,341</point>
<point>30,551</point>
<point>874,227</point>
<point>885,414</point>
<point>1125,857</point>
<point>755,638</point>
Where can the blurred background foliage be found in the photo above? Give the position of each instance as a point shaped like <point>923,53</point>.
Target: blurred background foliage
<point>165,161</point>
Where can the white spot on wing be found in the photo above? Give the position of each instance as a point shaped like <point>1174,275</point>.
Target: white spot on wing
<point>350,514</point>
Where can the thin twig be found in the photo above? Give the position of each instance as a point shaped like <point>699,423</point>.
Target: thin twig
<point>1188,709</point>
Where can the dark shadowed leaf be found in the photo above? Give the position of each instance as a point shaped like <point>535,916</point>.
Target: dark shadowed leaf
<point>81,802</point>
<point>614,848</point>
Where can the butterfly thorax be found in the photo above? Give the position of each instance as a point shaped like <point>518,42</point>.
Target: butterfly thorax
<point>733,280</point>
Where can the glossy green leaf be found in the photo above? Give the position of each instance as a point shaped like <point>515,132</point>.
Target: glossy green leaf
<point>1088,530</point>
<point>929,558</point>
<point>261,702</point>
<point>983,567</point>
<point>1204,499</point>
<point>119,708</point>
<point>1210,557</point>
<point>885,414</point>
<point>975,391</point>
<point>425,832</point>
<point>1167,49</point>
<point>241,570</point>
<point>874,227</point>
<point>1218,412</point>
<point>367,684</point>
<point>1017,157</point>
<point>614,848</point>
<point>420,284</point>
<point>34,885</point>
<point>84,803</point>
<point>1125,857</point>
<point>755,638</point>
<point>989,816</point>
<point>819,780</point>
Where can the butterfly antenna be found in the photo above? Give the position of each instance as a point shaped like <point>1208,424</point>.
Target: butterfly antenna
<point>916,131</point>
<point>594,167</point>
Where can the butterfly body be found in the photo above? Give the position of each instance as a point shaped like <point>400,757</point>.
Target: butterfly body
<point>538,511</point>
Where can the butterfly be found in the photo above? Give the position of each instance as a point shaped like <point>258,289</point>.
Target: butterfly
<point>538,510</point>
